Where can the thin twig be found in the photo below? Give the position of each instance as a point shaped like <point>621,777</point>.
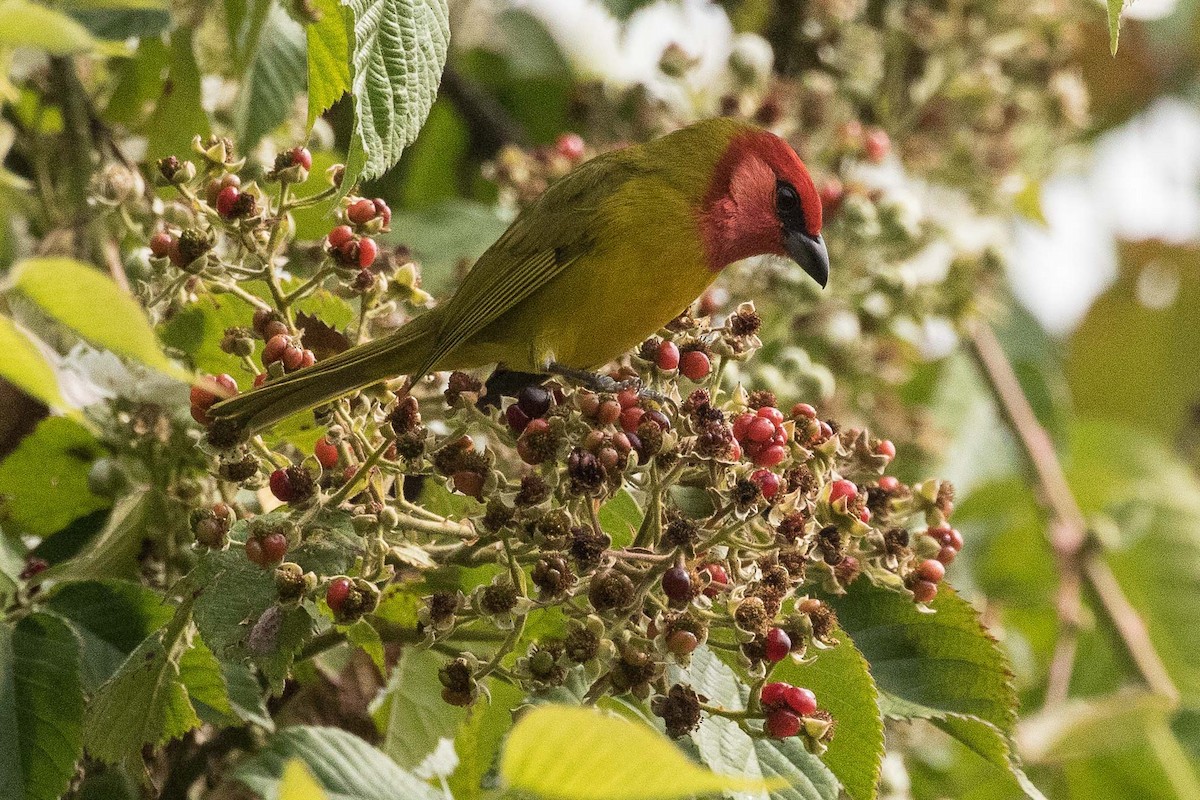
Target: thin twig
<point>1079,557</point>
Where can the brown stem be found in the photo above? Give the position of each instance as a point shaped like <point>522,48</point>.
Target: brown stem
<point>1079,557</point>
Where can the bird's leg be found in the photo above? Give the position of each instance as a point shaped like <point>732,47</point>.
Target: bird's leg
<point>506,383</point>
<point>603,383</point>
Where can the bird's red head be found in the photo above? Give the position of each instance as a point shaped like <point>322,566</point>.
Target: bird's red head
<point>762,200</point>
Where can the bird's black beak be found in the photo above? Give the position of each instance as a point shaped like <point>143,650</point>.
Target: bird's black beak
<point>810,253</point>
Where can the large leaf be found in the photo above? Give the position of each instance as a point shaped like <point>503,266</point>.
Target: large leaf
<point>410,711</point>
<point>145,702</point>
<point>397,56</point>
<point>71,292</point>
<point>25,367</point>
<point>26,24</point>
<point>44,482</point>
<point>576,753</point>
<point>178,115</point>
<point>346,767</point>
<point>328,57</point>
<point>843,685</point>
<point>113,553</point>
<point>298,783</point>
<point>724,747</point>
<point>111,618</point>
<point>478,741</point>
<point>41,708</point>
<point>275,78</point>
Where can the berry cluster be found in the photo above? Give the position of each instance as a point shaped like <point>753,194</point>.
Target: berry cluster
<point>785,708</point>
<point>206,394</point>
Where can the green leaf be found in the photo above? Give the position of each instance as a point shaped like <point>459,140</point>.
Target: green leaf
<point>275,78</point>
<point>941,666</point>
<point>70,292</point>
<point>200,673</point>
<point>25,24</point>
<point>145,702</point>
<point>298,783</point>
<point>44,482</point>
<point>842,682</point>
<point>579,753</point>
<point>724,747</point>
<point>117,24</point>
<point>410,711</point>
<point>41,708</point>
<point>24,366</point>
<point>478,741</point>
<point>620,518</point>
<point>346,767</point>
<point>113,553</point>
<point>397,56</point>
<point>178,115</point>
<point>1114,23</point>
<point>363,635</point>
<point>328,57</point>
<point>111,618</point>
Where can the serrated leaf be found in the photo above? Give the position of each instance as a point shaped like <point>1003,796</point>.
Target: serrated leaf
<point>24,366</point>
<point>200,673</point>
<point>70,292</point>
<point>297,783</point>
<point>26,24</point>
<point>112,618</point>
<point>275,78</point>
<point>410,712</point>
<point>841,680</point>
<point>397,56</point>
<point>580,753</point>
<point>1114,23</point>
<point>346,767</point>
<point>328,57</point>
<point>41,707</point>
<point>725,747</point>
<point>44,481</point>
<point>145,702</point>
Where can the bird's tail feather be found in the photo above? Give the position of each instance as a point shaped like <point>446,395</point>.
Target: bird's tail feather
<point>400,353</point>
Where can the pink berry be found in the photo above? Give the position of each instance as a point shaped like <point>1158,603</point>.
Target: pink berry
<point>160,244</point>
<point>865,514</point>
<point>802,701</point>
<point>760,430</point>
<point>770,456</point>
<point>782,724</point>
<point>361,212</point>
<point>886,449</point>
<point>339,236</point>
<point>877,145</point>
<point>631,418</point>
<point>741,425</point>
<point>302,157</point>
<point>667,357</point>
<point>226,199</point>
<point>367,251</point>
<point>889,483</point>
<point>694,365</point>
<point>832,193</point>
<point>337,593</point>
<point>924,591</point>
<point>768,482</point>
<point>947,555</point>
<point>779,644</point>
<point>383,211</point>
<point>570,146</point>
<point>326,452</point>
<point>842,488</point>
<point>804,410</point>
<point>930,570</point>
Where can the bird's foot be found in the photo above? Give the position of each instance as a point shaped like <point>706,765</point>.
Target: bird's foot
<point>507,383</point>
<point>604,383</point>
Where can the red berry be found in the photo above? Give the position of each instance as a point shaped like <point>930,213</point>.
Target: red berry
<point>760,429</point>
<point>677,585</point>
<point>307,358</point>
<point>608,412</point>
<point>281,486</point>
<point>570,146</point>
<point>274,349</point>
<point>226,199</point>
<point>886,449</point>
<point>337,593</point>
<point>301,156</point>
<point>741,425</point>
<point>889,484</point>
<point>865,514</point>
<point>274,548</point>
<point>293,357</point>
<point>695,365</point>
<point>160,244</point>
<point>517,419</point>
<point>842,488</point>
<point>33,566</point>
<point>930,570</point>
<point>204,398</point>
<point>832,194</point>
<point>260,379</point>
<point>718,579</point>
<point>382,211</point>
<point>804,410</point>
<point>768,482</point>
<point>628,398</point>
<point>770,456</point>
<point>877,145</point>
<point>924,591</point>
<point>326,452</point>
<point>254,551</point>
<point>631,418</point>
<point>367,251</point>
<point>772,695</point>
<point>681,643</point>
<point>468,483</point>
<point>361,212</point>
<point>946,555</point>
<point>339,236</point>
<point>667,357</point>
<point>782,724</point>
<point>802,701</point>
<point>825,431</point>
<point>779,644</point>
<point>771,413</point>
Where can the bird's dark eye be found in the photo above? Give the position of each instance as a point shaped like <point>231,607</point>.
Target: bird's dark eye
<point>787,206</point>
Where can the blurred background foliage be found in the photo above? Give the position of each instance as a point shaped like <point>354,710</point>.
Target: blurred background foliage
<point>985,166</point>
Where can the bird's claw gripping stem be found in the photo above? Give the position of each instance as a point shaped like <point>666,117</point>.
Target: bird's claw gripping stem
<point>603,383</point>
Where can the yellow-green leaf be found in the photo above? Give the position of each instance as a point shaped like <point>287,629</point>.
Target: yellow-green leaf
<point>25,24</point>
<point>90,303</point>
<point>577,753</point>
<point>24,367</point>
<point>328,57</point>
<point>1114,23</point>
<point>298,783</point>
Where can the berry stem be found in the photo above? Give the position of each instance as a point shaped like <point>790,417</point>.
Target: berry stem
<point>1078,553</point>
<point>364,471</point>
<point>232,288</point>
<point>717,711</point>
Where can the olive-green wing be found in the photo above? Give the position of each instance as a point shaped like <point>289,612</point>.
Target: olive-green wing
<point>545,239</point>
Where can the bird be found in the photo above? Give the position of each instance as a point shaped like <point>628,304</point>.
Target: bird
<point>601,260</point>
